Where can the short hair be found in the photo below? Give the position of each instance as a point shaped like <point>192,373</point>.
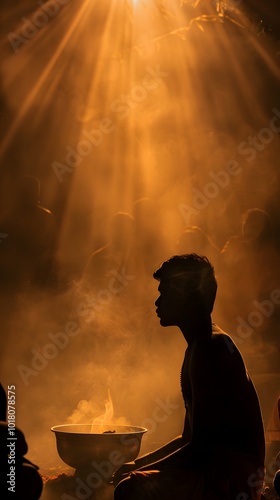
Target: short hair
<point>193,270</point>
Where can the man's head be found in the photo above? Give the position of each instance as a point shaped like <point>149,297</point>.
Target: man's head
<point>187,289</point>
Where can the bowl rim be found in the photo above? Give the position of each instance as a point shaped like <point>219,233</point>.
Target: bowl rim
<point>62,429</point>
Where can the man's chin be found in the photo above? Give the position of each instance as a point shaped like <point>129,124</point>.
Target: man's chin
<point>164,322</point>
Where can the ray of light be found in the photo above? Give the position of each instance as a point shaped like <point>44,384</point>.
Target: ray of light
<point>154,137</point>
<point>32,95</point>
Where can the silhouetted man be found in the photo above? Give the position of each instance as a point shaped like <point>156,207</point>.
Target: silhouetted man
<point>220,454</point>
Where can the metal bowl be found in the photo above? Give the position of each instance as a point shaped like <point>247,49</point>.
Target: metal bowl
<point>80,444</point>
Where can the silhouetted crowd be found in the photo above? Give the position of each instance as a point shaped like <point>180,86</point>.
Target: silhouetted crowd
<point>247,265</point>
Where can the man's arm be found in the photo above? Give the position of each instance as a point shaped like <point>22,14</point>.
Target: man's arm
<point>168,449</point>
<point>160,453</point>
<point>150,460</point>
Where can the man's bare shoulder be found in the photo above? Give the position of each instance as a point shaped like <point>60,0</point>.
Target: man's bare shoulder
<point>222,341</point>
<point>218,352</point>
<point>219,341</point>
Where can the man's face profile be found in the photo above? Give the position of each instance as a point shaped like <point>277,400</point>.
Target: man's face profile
<point>172,303</point>
<point>187,288</point>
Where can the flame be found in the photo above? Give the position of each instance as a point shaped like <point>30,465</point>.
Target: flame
<point>106,417</point>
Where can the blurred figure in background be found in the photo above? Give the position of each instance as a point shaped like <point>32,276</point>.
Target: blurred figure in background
<point>256,235</point>
<point>27,254</point>
<point>250,271</point>
<point>194,240</point>
<point>104,291</point>
<point>151,242</point>
<point>115,256</point>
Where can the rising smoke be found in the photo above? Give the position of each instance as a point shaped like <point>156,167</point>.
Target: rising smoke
<point>170,127</point>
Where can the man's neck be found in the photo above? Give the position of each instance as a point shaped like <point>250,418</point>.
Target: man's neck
<point>197,328</point>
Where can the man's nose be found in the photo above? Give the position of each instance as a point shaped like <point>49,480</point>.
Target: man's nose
<point>157,302</point>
